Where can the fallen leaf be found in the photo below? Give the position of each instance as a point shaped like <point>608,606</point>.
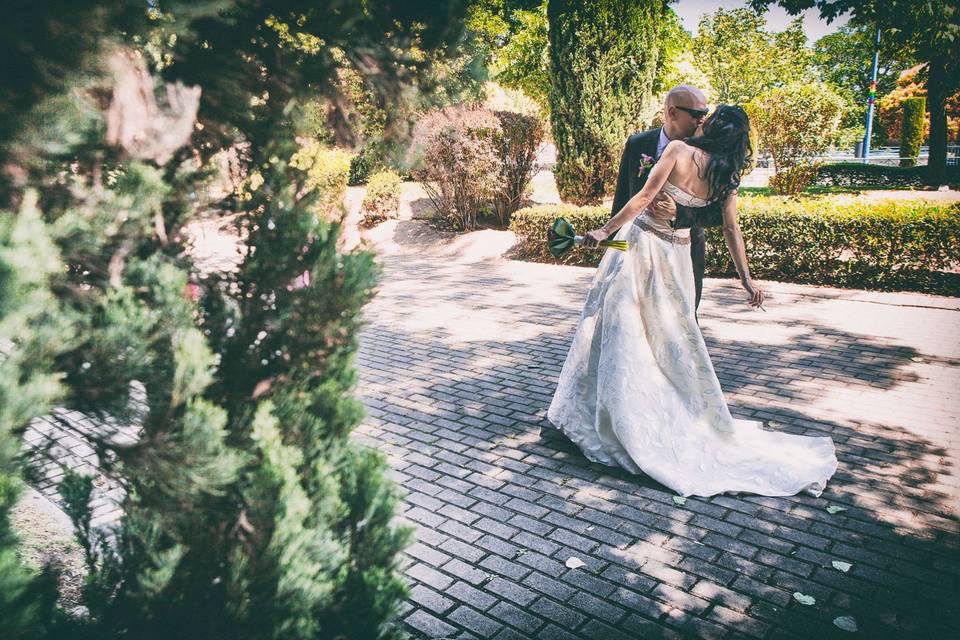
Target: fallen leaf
<point>841,566</point>
<point>832,509</point>
<point>574,563</point>
<point>846,623</point>
<point>679,500</point>
<point>803,598</point>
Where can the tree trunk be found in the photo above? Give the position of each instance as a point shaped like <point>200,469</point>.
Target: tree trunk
<point>937,105</point>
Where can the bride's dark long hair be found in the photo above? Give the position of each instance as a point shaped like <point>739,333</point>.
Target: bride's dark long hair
<point>726,138</point>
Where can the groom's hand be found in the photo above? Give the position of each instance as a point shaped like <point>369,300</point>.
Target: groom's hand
<point>663,208</point>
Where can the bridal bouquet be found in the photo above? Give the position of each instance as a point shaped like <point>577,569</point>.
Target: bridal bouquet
<point>560,238</point>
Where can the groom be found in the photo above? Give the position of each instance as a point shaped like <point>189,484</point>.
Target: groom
<point>684,109</point>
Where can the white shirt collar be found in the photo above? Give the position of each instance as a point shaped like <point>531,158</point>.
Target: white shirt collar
<point>662,143</point>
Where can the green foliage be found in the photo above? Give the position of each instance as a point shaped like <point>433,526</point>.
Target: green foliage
<point>792,180</point>
<point>742,60</point>
<point>33,332</point>
<point>531,223</point>
<point>382,198</point>
<point>930,30</point>
<point>524,61</point>
<point>328,172</point>
<point>518,141</point>
<point>795,122</point>
<point>360,169</point>
<point>911,136</point>
<point>826,240</point>
<point>604,56</point>
<point>248,513</point>
<point>844,59</point>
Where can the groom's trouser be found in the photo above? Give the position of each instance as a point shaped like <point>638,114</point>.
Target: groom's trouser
<point>698,256</point>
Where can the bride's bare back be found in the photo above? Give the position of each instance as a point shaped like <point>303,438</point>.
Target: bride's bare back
<point>689,170</point>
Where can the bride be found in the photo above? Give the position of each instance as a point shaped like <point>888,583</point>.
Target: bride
<point>638,389</point>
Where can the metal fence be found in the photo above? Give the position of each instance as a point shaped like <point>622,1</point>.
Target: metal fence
<point>888,156</point>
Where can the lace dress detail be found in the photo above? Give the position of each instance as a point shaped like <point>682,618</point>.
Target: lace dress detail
<point>638,389</point>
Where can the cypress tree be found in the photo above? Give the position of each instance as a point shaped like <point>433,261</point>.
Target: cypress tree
<point>603,63</point>
<point>911,132</point>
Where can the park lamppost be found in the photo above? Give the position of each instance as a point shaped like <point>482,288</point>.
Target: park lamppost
<point>873,95</point>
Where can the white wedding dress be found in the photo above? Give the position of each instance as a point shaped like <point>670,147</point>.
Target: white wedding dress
<point>638,389</point>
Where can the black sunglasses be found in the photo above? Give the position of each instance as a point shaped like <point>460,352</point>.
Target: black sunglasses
<point>698,114</point>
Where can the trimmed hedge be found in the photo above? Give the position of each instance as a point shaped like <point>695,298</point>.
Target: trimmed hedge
<point>530,226</point>
<point>883,245</point>
<point>855,174</point>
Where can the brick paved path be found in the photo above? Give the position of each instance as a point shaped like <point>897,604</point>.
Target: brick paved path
<point>458,365</point>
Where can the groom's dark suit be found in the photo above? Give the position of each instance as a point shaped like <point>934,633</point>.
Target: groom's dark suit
<point>631,180</point>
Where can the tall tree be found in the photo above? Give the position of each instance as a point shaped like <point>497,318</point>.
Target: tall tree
<point>844,58</point>
<point>603,62</point>
<point>742,59</point>
<point>930,29</point>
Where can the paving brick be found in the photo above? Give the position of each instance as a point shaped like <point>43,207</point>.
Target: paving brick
<point>762,591</point>
<point>465,571</point>
<point>477,622</point>
<point>511,615</point>
<point>429,625</point>
<point>596,607</point>
<point>430,599</point>
<point>501,566</point>
<point>549,586</point>
<point>467,552</point>
<point>429,576</point>
<point>553,632</point>
<point>557,613</point>
<point>511,591</point>
<point>470,595</point>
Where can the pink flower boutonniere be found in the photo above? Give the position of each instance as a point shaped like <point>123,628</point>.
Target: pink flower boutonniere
<point>645,163</point>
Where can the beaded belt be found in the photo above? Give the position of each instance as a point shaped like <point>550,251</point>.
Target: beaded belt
<point>669,237</point>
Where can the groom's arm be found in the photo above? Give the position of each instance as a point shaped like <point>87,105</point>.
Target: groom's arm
<point>698,217</point>
<point>622,194</point>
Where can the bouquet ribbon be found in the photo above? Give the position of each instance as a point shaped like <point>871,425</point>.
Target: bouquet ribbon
<point>561,238</point>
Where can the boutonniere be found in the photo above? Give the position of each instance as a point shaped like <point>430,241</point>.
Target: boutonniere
<point>645,163</point>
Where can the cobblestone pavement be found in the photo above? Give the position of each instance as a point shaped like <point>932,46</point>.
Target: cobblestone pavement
<point>458,364</point>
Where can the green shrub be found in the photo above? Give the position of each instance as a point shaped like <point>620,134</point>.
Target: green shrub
<point>890,244</point>
<point>790,181</point>
<point>530,226</point>
<point>518,141</point>
<point>795,123</point>
<point>382,198</point>
<point>360,169</point>
<point>328,171</point>
<point>911,132</point>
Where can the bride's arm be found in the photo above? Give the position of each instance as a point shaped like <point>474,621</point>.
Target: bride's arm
<point>734,239</point>
<point>636,204</point>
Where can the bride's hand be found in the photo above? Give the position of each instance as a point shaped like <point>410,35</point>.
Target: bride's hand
<point>595,237</point>
<point>756,293</point>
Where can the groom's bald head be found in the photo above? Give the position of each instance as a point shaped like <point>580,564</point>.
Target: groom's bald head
<point>685,95</point>
<point>678,121</point>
